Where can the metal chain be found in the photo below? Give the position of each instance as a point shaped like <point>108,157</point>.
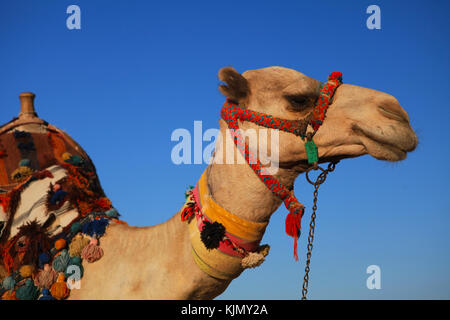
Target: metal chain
<point>320,179</point>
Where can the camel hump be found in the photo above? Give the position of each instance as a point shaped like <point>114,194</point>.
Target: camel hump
<point>29,141</point>
<point>33,154</point>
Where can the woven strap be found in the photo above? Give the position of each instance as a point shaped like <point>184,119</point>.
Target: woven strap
<point>323,102</point>
<point>233,113</point>
<point>241,236</point>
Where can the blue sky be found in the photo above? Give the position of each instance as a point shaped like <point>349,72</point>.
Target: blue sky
<point>137,70</point>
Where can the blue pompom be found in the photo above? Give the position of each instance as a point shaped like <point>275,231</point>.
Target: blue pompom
<point>43,259</point>
<point>46,295</point>
<point>58,196</point>
<point>95,227</point>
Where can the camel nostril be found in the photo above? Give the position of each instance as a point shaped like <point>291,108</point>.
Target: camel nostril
<point>393,111</point>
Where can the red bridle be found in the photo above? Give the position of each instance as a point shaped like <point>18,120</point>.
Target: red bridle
<point>233,113</point>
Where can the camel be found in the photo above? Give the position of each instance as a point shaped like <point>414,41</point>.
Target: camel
<point>156,262</point>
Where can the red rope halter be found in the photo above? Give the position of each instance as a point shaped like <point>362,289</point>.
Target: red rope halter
<point>232,114</point>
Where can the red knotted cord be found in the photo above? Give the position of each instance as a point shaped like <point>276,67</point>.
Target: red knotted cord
<point>232,113</point>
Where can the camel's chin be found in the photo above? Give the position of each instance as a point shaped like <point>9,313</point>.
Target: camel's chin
<point>385,147</point>
<point>384,152</point>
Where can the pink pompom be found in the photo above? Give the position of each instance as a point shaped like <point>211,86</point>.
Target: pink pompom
<point>46,277</point>
<point>92,252</point>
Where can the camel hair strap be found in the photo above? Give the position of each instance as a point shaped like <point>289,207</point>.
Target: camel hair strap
<point>223,244</point>
<point>233,113</point>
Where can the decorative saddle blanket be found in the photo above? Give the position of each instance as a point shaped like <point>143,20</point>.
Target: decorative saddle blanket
<point>53,212</point>
<point>36,205</point>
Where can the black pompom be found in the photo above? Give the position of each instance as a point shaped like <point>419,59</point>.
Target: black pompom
<point>212,234</point>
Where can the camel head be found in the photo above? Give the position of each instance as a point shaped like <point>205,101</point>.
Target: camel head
<point>359,120</point>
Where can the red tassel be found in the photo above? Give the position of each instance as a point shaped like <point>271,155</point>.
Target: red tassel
<point>335,75</point>
<point>293,224</point>
<point>293,229</point>
<point>295,249</point>
<point>188,212</point>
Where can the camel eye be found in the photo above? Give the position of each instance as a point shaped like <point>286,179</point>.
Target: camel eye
<point>299,103</point>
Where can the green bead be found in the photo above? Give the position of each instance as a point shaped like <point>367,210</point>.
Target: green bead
<point>311,152</point>
<point>75,160</point>
<point>25,163</point>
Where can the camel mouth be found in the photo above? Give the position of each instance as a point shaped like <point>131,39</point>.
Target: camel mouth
<point>389,153</point>
<point>386,147</point>
<point>302,165</point>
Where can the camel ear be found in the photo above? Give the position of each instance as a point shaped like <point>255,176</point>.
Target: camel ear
<point>236,87</point>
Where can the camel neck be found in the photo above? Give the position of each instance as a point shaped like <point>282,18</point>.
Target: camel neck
<point>240,191</point>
